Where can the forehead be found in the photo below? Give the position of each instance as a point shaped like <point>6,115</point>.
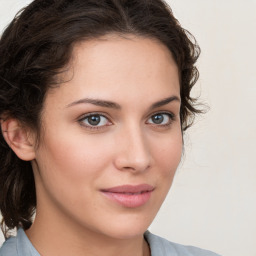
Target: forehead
<point>117,67</point>
<point>121,49</point>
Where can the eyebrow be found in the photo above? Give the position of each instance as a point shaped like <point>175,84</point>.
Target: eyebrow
<point>111,104</point>
<point>97,102</point>
<point>164,102</point>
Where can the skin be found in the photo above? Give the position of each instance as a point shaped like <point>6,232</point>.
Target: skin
<point>75,160</point>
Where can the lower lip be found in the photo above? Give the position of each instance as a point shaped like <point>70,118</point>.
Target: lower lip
<point>129,200</point>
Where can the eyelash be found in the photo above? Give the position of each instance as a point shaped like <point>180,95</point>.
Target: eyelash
<point>92,127</point>
<point>170,115</point>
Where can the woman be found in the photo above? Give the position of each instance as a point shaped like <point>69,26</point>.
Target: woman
<point>95,97</point>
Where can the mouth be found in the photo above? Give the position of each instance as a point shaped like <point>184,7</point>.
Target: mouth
<point>129,196</point>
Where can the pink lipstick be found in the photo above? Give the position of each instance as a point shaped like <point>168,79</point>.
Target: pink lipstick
<point>129,195</point>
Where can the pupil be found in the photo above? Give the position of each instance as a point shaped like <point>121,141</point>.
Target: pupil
<point>94,120</point>
<point>158,119</point>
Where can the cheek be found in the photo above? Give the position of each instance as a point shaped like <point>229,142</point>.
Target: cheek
<point>73,158</point>
<point>167,158</point>
<point>67,169</point>
<point>168,154</point>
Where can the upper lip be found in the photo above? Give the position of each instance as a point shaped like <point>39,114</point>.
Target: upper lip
<point>130,189</point>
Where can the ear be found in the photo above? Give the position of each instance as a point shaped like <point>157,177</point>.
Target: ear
<point>19,139</point>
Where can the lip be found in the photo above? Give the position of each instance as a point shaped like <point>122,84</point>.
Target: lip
<point>131,196</point>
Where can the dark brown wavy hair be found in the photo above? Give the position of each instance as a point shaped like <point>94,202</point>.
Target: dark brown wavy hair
<point>35,48</point>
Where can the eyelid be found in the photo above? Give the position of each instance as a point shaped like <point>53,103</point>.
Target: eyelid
<point>84,116</point>
<point>171,115</point>
<point>81,119</point>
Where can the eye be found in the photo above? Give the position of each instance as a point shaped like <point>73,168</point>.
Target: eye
<point>94,121</point>
<point>161,119</point>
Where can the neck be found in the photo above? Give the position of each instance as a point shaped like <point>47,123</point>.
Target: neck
<point>64,238</point>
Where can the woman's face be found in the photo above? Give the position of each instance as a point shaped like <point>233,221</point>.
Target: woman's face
<point>111,138</point>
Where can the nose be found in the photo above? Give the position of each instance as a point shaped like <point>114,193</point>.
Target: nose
<point>133,152</point>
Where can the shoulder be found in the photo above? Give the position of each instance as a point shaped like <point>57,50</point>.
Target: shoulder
<point>9,247</point>
<point>162,247</point>
<point>18,246</point>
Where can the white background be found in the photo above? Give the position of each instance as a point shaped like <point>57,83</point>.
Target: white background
<point>212,203</point>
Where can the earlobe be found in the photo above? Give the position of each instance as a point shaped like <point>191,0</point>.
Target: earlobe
<point>18,138</point>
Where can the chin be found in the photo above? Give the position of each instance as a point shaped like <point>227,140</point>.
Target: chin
<point>125,233</point>
<point>128,227</point>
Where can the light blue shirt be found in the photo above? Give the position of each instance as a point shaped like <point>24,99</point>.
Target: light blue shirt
<point>21,246</point>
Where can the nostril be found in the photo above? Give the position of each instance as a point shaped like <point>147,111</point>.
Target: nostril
<point>133,154</point>
<point>134,166</point>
